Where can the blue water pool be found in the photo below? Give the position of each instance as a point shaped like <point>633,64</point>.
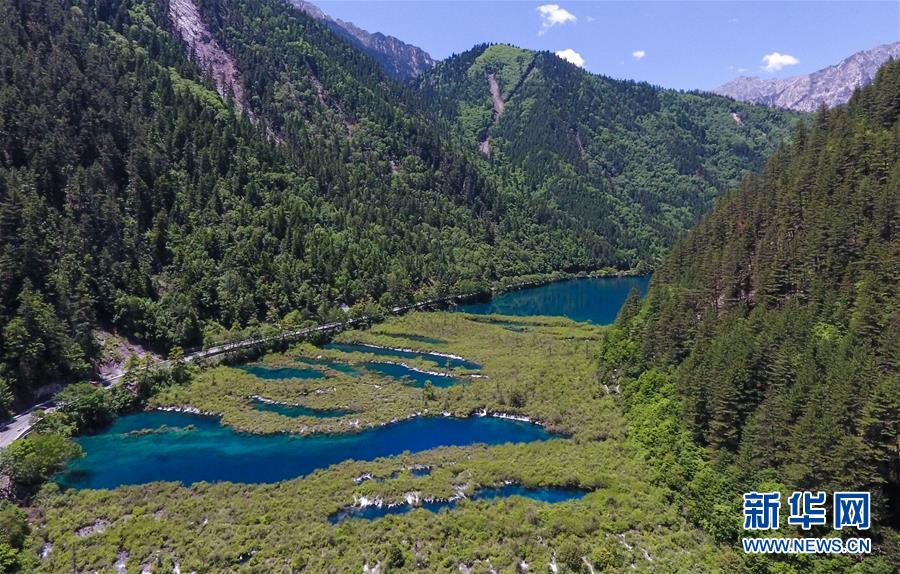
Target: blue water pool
<point>437,359</point>
<point>596,300</point>
<point>410,376</point>
<point>338,366</point>
<point>192,448</point>
<point>545,494</point>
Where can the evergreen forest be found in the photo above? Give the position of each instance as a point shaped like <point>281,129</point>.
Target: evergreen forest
<point>134,199</point>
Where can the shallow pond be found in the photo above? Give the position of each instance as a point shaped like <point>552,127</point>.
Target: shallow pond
<point>411,376</point>
<point>338,366</point>
<point>595,300</point>
<point>436,358</point>
<point>545,494</point>
<point>193,448</point>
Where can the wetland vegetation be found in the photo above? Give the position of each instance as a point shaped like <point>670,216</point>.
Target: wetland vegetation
<point>604,509</point>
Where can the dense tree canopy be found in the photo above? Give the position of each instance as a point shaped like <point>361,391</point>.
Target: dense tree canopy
<point>775,324</point>
<point>134,198</point>
<point>631,164</point>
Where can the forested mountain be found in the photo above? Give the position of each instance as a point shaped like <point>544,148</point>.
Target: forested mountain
<point>397,58</point>
<point>632,162</point>
<point>775,324</point>
<point>135,198</point>
<point>829,86</point>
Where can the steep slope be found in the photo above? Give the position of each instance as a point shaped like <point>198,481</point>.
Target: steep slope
<point>829,86</point>
<point>397,58</point>
<point>373,144</point>
<point>633,163</point>
<point>209,55</point>
<point>777,320</point>
<point>134,198</point>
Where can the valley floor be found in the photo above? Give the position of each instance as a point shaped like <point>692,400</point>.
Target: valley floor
<point>543,369</point>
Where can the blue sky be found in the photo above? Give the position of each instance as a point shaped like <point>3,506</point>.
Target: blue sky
<point>683,45</point>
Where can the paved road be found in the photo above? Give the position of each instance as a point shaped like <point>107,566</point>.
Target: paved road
<point>21,423</point>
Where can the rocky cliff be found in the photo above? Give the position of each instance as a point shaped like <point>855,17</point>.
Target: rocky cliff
<point>830,86</point>
<point>396,58</point>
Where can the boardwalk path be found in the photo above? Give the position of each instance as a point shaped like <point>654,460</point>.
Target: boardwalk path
<point>21,423</point>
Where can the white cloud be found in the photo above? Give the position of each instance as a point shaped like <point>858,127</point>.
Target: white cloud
<point>553,15</point>
<point>776,61</point>
<point>571,56</point>
<point>638,54</point>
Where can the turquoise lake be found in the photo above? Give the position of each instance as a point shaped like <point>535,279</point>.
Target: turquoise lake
<point>548,494</point>
<point>192,448</point>
<point>594,300</point>
<point>147,447</point>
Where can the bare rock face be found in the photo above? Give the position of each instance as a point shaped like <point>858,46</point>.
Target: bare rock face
<point>207,52</point>
<point>831,86</point>
<point>396,58</point>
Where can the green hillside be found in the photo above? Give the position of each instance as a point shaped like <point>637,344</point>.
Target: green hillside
<point>771,334</point>
<point>631,163</point>
<point>132,197</point>
<point>146,199</point>
<point>135,199</point>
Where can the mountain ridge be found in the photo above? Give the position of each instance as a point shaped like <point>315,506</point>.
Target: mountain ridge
<point>636,162</point>
<point>170,217</point>
<point>770,332</point>
<point>396,57</point>
<point>830,86</point>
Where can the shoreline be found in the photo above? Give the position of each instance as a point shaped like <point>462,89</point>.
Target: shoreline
<point>540,280</point>
<point>353,426</point>
<point>19,424</point>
